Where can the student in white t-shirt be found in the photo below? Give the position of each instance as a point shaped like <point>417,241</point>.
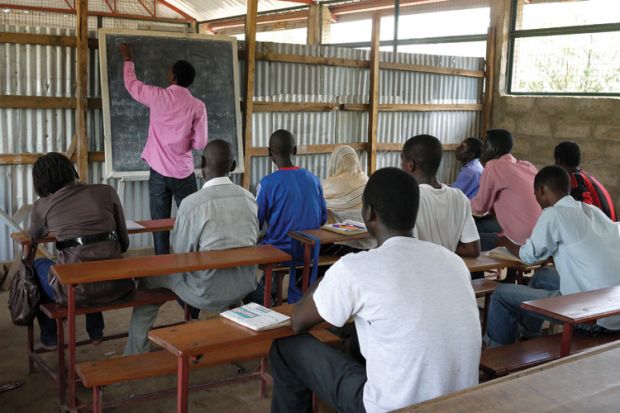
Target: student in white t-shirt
<point>445,213</point>
<point>414,311</point>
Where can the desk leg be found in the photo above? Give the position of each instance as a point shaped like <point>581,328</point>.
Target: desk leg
<point>485,313</point>
<point>71,325</point>
<point>567,336</point>
<point>60,349</point>
<point>268,273</point>
<point>182,383</point>
<point>306,272</point>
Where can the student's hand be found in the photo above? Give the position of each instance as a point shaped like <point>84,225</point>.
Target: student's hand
<point>504,241</point>
<point>125,51</point>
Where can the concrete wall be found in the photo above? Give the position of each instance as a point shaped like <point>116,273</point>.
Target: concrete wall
<point>540,122</point>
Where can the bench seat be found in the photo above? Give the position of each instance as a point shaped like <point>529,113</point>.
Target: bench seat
<point>163,363</point>
<point>511,358</point>
<point>140,297</point>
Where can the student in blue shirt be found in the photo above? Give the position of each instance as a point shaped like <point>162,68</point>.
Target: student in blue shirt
<point>290,199</point>
<point>584,244</point>
<point>468,179</point>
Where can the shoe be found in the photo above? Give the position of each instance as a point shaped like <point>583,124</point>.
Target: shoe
<point>48,347</point>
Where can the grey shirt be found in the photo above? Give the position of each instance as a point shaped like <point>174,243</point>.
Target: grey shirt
<point>219,216</point>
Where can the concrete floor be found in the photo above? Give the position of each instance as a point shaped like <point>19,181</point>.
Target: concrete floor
<point>38,394</point>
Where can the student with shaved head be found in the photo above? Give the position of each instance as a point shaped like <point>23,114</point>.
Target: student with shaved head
<point>219,216</point>
<point>445,213</point>
<point>290,199</point>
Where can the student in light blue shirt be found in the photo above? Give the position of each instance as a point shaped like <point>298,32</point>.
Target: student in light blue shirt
<point>584,244</point>
<point>468,179</point>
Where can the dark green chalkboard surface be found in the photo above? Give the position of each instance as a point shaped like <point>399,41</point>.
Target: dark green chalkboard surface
<point>126,121</point>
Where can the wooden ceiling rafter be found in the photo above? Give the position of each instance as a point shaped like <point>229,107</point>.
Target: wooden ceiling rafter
<point>112,11</point>
<point>350,11</point>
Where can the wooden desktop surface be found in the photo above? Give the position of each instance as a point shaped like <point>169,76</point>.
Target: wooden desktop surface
<point>199,337</point>
<point>327,237</point>
<point>585,382</point>
<point>153,225</point>
<point>579,308</point>
<point>136,267</point>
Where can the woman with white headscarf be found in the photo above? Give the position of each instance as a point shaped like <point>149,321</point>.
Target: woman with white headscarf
<point>343,189</point>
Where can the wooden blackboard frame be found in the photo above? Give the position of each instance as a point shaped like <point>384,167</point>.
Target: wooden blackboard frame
<point>105,93</point>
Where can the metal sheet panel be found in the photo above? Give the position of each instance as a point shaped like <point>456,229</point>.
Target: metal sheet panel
<point>49,71</point>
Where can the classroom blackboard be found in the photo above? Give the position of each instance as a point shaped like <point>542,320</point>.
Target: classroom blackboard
<point>126,122</point>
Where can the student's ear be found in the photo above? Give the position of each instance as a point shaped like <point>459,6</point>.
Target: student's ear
<point>368,213</point>
<point>233,166</point>
<point>269,152</point>
<point>295,150</point>
<point>203,162</point>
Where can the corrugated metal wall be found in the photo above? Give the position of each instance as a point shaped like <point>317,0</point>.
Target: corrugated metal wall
<point>285,82</point>
<point>35,70</point>
<point>50,71</point>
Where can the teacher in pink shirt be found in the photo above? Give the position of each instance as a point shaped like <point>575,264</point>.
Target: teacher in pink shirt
<point>506,187</point>
<point>177,124</point>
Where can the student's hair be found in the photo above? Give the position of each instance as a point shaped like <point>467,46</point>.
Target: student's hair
<point>184,73</point>
<point>568,153</point>
<point>474,145</point>
<point>51,172</point>
<point>394,196</point>
<point>554,178</point>
<point>282,142</point>
<point>501,139</point>
<point>218,155</point>
<point>426,151</point>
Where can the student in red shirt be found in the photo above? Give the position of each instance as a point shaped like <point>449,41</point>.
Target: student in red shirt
<point>584,187</point>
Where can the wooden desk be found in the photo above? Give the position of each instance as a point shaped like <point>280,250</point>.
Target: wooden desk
<point>200,337</point>
<point>577,308</point>
<point>484,263</point>
<point>136,267</point>
<point>309,239</point>
<point>153,225</point>
<point>585,382</point>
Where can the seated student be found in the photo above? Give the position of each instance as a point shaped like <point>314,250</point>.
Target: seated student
<point>506,188</point>
<point>584,244</point>
<point>89,224</point>
<point>445,213</point>
<point>219,216</point>
<point>468,179</point>
<point>397,294</point>
<point>584,187</point>
<point>289,199</point>
<point>343,189</point>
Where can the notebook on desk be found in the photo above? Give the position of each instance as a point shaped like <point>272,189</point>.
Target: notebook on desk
<point>256,317</point>
<point>346,227</point>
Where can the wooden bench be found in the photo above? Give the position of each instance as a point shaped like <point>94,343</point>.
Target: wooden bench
<point>98,374</point>
<point>500,361</point>
<point>571,310</point>
<point>59,312</point>
<point>203,337</point>
<point>71,275</point>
